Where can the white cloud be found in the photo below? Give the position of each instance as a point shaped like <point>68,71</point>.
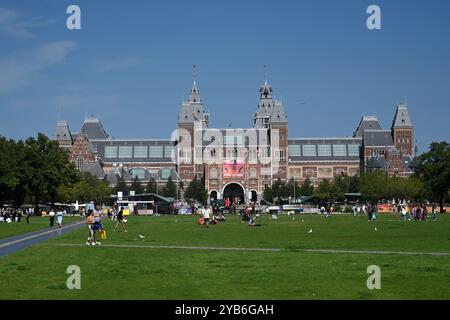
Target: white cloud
<point>18,25</point>
<point>19,71</point>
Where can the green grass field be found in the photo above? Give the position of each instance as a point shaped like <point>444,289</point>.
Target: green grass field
<point>127,267</point>
<point>36,223</point>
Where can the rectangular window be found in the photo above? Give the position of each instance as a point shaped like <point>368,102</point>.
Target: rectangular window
<point>168,151</point>
<point>155,151</point>
<point>138,172</point>
<point>294,150</point>
<point>324,150</point>
<point>110,152</point>
<point>140,151</point>
<point>339,150</point>
<point>165,173</point>
<point>353,150</point>
<point>309,150</point>
<point>186,155</point>
<point>125,152</point>
<point>325,172</point>
<point>229,140</point>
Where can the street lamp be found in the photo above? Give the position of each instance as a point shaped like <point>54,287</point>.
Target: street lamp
<point>293,177</point>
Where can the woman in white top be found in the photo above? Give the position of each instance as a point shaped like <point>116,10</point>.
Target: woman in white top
<point>206,216</point>
<point>59,217</point>
<point>51,214</point>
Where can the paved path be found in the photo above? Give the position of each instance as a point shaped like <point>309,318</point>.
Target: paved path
<point>18,242</point>
<point>409,253</point>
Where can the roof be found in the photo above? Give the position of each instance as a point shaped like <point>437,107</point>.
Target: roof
<point>367,123</point>
<point>134,155</point>
<point>192,110</point>
<point>269,110</point>
<point>402,119</point>
<point>112,178</point>
<point>377,138</point>
<point>93,129</point>
<point>94,168</point>
<point>62,132</point>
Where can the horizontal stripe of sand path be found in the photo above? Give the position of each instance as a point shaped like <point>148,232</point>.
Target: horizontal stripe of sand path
<point>255,249</point>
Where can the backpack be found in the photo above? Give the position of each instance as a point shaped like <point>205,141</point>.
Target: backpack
<point>103,234</point>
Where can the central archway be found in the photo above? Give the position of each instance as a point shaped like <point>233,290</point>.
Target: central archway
<point>235,192</point>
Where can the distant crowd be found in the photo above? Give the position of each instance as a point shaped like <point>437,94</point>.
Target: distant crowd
<point>9,215</point>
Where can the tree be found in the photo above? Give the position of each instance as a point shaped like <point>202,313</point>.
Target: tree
<point>87,188</point>
<point>279,190</point>
<point>341,186</point>
<point>434,171</point>
<point>374,186</point>
<point>121,186</point>
<point>196,190</point>
<point>170,189</point>
<point>151,186</point>
<point>293,189</point>
<point>268,194</point>
<point>136,186</point>
<point>307,189</point>
<point>326,191</point>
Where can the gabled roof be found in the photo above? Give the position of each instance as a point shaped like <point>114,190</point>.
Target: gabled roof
<point>402,119</point>
<point>94,168</point>
<point>92,128</point>
<point>367,123</point>
<point>62,132</point>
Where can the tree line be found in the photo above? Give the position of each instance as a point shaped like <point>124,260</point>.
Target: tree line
<point>430,182</point>
<point>38,171</point>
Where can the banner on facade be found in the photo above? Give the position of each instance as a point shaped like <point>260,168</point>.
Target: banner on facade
<point>233,169</point>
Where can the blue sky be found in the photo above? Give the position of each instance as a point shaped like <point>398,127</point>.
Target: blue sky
<point>131,64</point>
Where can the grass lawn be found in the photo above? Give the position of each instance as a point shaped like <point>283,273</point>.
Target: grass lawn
<point>127,267</point>
<point>36,223</point>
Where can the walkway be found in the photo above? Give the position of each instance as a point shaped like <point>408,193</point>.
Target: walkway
<point>22,241</point>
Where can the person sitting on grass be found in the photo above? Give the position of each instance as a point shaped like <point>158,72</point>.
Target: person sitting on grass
<point>120,220</point>
<point>252,221</point>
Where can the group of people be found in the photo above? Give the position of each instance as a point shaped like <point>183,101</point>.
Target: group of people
<point>417,212</point>
<point>211,215</point>
<point>326,212</point>
<point>58,214</point>
<point>9,215</point>
<point>95,227</point>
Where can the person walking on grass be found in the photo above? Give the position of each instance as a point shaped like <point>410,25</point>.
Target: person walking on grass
<point>403,211</point>
<point>433,212</point>
<point>27,218</point>
<point>120,220</point>
<point>59,218</point>
<point>206,216</point>
<point>51,215</point>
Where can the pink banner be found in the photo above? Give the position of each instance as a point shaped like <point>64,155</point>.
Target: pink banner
<point>233,170</point>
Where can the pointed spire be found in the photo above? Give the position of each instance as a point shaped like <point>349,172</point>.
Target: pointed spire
<point>195,93</point>
<point>265,75</point>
